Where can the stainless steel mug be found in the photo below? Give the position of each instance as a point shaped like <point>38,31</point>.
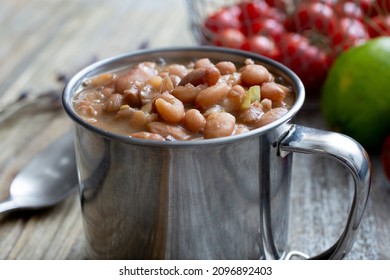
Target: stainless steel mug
<point>224,198</point>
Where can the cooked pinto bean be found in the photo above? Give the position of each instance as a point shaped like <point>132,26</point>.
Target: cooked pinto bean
<point>125,112</point>
<point>219,125</point>
<point>131,97</point>
<point>177,70</point>
<point>226,67</point>
<point>270,116</point>
<point>212,76</point>
<point>201,76</point>
<point>194,121</point>
<point>255,75</point>
<point>147,94</point>
<point>156,82</point>
<point>203,63</point>
<point>213,109</point>
<point>168,130</point>
<point>99,80</point>
<point>211,95</point>
<point>147,136</point>
<point>272,91</point>
<point>240,128</point>
<point>88,109</point>
<point>170,108</point>
<point>251,115</point>
<point>138,120</point>
<point>266,104</point>
<point>113,102</point>
<point>195,77</point>
<point>87,104</point>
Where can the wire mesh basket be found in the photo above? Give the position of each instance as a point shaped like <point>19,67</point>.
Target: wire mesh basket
<point>304,35</point>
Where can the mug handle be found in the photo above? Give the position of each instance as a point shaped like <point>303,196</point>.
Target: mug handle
<point>351,155</point>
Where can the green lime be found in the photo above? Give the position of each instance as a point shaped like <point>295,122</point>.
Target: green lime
<point>356,94</point>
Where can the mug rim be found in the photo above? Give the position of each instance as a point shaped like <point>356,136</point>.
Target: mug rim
<point>75,82</point>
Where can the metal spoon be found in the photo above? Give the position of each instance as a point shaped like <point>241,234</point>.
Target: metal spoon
<point>48,179</point>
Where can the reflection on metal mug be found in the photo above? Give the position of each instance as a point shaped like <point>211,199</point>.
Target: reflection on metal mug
<point>223,198</point>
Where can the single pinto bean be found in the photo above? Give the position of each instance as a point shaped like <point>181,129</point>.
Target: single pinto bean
<point>177,69</point>
<point>131,96</point>
<point>272,91</point>
<point>113,103</point>
<point>195,77</point>
<point>199,76</point>
<point>240,128</point>
<point>255,75</point>
<point>194,121</point>
<point>100,80</point>
<point>125,112</point>
<point>219,125</point>
<point>203,63</point>
<point>138,120</point>
<point>211,95</point>
<point>170,108</point>
<point>266,104</point>
<point>212,75</point>
<point>123,82</point>
<point>251,115</point>
<point>226,67</point>
<point>168,130</point>
<point>270,116</point>
<point>155,82</point>
<point>147,136</point>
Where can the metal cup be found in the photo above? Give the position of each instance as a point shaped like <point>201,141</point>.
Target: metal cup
<point>224,198</point>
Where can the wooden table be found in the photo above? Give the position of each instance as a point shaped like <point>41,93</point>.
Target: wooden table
<point>43,42</point>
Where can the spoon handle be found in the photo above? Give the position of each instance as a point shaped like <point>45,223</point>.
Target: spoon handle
<point>7,205</point>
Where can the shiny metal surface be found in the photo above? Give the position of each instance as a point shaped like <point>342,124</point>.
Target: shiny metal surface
<point>225,198</point>
<point>353,157</point>
<point>172,202</point>
<point>48,179</point>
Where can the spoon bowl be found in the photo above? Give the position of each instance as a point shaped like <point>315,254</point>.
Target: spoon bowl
<point>48,179</point>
